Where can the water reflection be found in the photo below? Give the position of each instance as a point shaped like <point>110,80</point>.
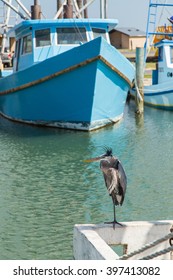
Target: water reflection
<point>46,188</point>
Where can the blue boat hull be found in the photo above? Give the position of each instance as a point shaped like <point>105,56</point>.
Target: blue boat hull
<point>159,96</point>
<point>84,89</point>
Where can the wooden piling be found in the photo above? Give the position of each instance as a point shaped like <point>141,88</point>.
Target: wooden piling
<point>139,98</point>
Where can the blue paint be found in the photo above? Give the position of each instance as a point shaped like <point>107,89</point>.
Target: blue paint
<point>83,87</point>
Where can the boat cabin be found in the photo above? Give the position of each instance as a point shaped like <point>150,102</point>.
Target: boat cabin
<point>164,71</point>
<point>37,40</point>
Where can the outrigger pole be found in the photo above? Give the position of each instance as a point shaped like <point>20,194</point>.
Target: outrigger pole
<point>84,7</point>
<point>14,9</point>
<point>78,10</point>
<point>23,8</point>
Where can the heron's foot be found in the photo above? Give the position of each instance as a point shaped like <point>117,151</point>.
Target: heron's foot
<point>114,223</point>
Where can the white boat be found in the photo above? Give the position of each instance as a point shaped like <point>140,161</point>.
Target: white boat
<point>159,93</point>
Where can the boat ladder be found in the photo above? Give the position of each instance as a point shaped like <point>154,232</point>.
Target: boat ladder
<point>153,22</point>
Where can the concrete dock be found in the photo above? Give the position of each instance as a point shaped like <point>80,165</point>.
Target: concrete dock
<point>95,242</point>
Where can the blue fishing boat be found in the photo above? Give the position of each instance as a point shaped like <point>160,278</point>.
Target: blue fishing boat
<point>66,74</point>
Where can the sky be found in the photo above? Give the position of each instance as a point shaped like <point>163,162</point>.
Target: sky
<point>130,13</point>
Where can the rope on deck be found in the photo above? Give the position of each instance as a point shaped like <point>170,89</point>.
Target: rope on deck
<point>148,246</point>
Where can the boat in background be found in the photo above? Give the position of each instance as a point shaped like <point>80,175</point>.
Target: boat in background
<point>66,74</point>
<point>160,93</point>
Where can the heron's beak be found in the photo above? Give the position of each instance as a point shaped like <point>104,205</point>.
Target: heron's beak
<point>94,159</point>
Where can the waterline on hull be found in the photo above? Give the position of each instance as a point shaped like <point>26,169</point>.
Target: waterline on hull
<point>80,126</point>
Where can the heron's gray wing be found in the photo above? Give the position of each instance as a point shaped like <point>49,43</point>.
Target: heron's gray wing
<point>122,177</point>
<point>111,179</point>
<point>112,184</point>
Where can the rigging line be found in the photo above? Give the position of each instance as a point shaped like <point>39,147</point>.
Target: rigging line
<point>77,12</point>
<point>162,10</point>
<point>23,8</point>
<point>77,9</point>
<point>77,29</point>
<point>14,9</point>
<point>60,10</point>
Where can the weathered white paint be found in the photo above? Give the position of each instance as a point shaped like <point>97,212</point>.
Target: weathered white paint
<point>94,125</point>
<point>93,241</point>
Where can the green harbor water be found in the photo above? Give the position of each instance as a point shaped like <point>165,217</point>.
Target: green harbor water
<point>46,188</point>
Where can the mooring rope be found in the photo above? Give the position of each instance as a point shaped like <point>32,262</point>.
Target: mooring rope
<point>162,252</point>
<point>138,91</point>
<point>148,246</point>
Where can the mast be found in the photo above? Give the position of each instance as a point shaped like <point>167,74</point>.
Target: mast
<point>103,8</point>
<point>68,9</point>
<point>36,10</point>
<point>106,8</point>
<point>86,10</point>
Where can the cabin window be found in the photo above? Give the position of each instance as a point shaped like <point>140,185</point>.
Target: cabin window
<point>99,32</point>
<point>160,56</point>
<point>71,35</point>
<point>171,54</point>
<point>42,37</point>
<point>27,44</point>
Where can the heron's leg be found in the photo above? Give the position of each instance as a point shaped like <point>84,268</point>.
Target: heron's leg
<point>114,213</point>
<point>114,221</point>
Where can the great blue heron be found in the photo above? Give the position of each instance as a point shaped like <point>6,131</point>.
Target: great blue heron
<point>115,178</point>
